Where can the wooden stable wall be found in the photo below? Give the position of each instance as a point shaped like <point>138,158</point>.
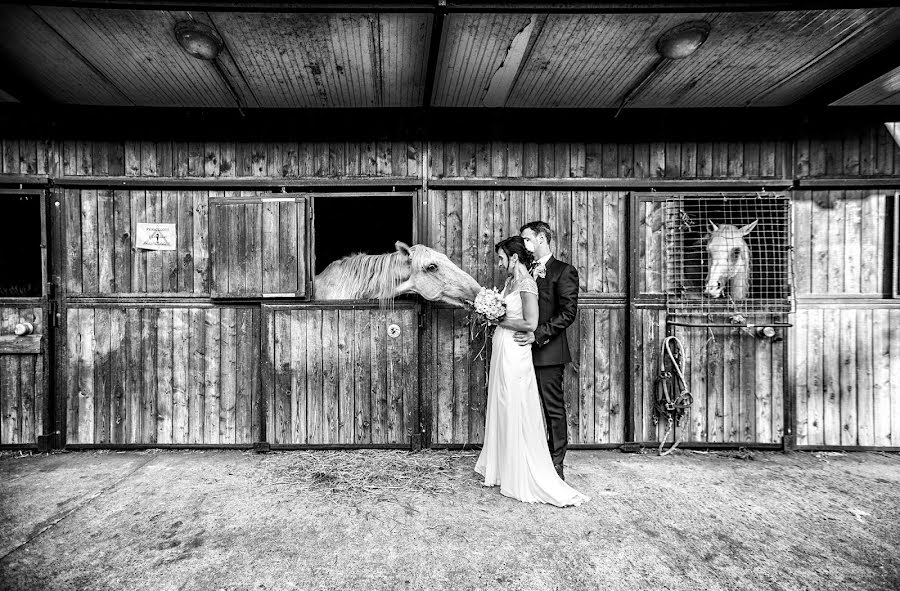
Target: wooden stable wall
<point>846,341</point>
<point>23,377</point>
<point>333,374</point>
<point>474,194</point>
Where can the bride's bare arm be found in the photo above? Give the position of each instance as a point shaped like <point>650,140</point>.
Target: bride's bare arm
<point>529,320</point>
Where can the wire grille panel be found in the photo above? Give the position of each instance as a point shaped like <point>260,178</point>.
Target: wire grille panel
<point>728,256</point>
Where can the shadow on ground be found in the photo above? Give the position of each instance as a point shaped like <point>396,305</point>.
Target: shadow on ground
<point>234,520</point>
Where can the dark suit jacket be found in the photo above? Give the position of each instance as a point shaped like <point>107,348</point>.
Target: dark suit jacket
<point>557,305</point>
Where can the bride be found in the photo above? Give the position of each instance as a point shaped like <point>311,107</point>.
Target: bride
<point>515,453</point>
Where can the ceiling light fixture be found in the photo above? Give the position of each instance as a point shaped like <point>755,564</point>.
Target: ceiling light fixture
<point>199,40</point>
<point>682,40</point>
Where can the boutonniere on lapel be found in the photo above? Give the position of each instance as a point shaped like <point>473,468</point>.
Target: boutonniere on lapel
<point>539,271</point>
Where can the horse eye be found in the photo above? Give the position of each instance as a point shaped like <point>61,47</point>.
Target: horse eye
<point>431,267</point>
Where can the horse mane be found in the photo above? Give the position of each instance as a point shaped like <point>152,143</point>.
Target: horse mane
<point>368,276</point>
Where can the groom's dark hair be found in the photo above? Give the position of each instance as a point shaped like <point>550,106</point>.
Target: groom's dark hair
<point>538,227</point>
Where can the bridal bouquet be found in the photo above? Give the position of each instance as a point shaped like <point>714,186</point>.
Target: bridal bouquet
<point>490,304</point>
<point>488,308</point>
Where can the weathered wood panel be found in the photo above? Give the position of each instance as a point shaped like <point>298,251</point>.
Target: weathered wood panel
<point>23,395</point>
<point>335,375</point>
<point>672,160</point>
<point>249,238</point>
<point>847,376</point>
<point>840,242</point>
<point>594,383</point>
<point>211,159</point>
<point>735,379</point>
<point>650,247</point>
<point>166,375</point>
<point>588,229</point>
<point>865,150</point>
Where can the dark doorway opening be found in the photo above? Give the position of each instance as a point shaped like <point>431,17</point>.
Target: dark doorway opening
<point>20,263</point>
<point>360,224</point>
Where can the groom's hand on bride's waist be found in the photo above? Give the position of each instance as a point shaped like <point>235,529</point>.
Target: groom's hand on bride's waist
<point>523,338</point>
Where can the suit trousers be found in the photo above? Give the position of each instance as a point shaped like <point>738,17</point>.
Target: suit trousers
<point>550,386</point>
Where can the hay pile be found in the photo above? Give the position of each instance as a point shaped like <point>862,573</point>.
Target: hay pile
<point>355,472</point>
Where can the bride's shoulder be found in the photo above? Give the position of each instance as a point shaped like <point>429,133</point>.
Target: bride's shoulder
<point>527,284</point>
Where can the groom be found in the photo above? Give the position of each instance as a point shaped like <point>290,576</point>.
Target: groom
<point>557,303</point>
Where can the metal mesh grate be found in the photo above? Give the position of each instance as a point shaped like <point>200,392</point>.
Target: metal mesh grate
<point>728,255</point>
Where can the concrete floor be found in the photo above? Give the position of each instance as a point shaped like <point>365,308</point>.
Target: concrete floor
<point>232,520</point>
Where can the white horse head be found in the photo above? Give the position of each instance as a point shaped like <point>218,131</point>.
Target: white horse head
<point>410,269</point>
<point>729,260</point>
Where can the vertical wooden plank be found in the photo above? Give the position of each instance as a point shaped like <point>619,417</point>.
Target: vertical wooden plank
<point>735,160</point>
<point>864,380</point>
<point>27,381</point>
<point>212,353</point>
<point>814,356</point>
<point>848,368</point>
<point>657,167</point>
<point>164,377</point>
<point>530,166</point>
<point>799,340</point>
<point>118,375</point>
<point>820,237</point>
<point>715,388</point>
<point>134,391</point>
<point>362,388</point>
<point>89,241</point>
<point>762,392</point>
<point>72,204</point>
<point>120,242</point>
<point>299,393</point>
<point>246,386</point>
<point>154,257</point>
<point>200,240</point>
<point>165,161</point>
<point>346,377</point>
<point>613,242</point>
<point>378,377</point>
<point>590,404</point>
<point>228,376</point>
<point>169,204</point>
<point>315,377</point>
<point>484,249</point>
<point>184,218</point>
<point>732,383</point>
<point>279,349</point>
<point>823,378</point>
<point>270,248</point>
<point>330,393</point>
<point>803,208</point>
<point>150,347</point>
<point>881,374</point>
<point>894,350</point>
<point>148,159</point>
<point>750,387</point>
<point>394,377</point>
<point>211,167</point>
<point>74,344</point>
<point>617,380</point>
<point>409,370</point>
<point>871,240</point>
<point>10,396</point>
<point>181,326</point>
<point>852,243</point>
<point>253,254</point>
<point>462,390</point>
<point>139,213</point>
<point>86,383</point>
<point>704,160</point>
<point>106,241</point>
<point>778,398</point>
<point>442,407</point>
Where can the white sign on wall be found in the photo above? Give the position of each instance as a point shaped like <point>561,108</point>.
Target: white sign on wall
<point>155,236</point>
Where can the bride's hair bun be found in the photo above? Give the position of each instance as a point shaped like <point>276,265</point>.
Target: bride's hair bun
<point>516,245</point>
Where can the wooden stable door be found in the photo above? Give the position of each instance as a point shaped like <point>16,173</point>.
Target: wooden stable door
<point>24,326</point>
<point>341,374</point>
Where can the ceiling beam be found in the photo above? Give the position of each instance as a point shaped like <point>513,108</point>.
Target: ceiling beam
<point>521,6</point>
<point>460,124</point>
<point>434,50</point>
<point>879,64</point>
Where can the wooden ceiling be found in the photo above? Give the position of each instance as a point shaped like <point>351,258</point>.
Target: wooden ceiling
<point>117,56</point>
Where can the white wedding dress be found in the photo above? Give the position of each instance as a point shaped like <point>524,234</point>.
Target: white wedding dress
<point>515,453</point>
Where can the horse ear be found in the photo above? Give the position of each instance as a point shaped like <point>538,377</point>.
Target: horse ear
<point>715,228</point>
<point>403,248</point>
<point>748,228</point>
